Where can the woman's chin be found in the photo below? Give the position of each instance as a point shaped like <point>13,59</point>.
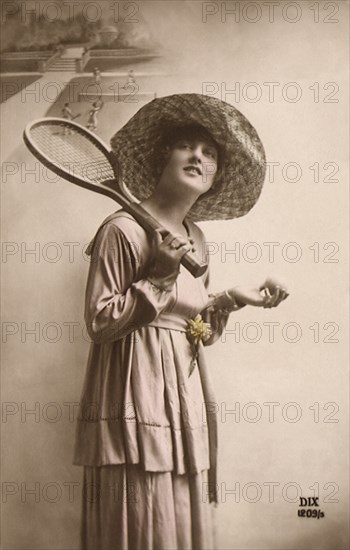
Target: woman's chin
<point>193,184</point>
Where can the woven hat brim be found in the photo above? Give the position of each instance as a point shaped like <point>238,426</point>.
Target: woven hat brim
<point>239,183</point>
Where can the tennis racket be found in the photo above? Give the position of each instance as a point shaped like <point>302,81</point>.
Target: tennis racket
<point>80,157</point>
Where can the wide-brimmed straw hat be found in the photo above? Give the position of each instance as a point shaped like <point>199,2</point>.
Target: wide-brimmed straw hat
<point>238,183</point>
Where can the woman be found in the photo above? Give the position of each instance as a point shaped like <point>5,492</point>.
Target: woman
<point>147,444</point>
<point>97,75</point>
<point>92,120</point>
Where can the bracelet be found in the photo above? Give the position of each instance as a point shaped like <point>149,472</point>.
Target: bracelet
<point>237,304</point>
<point>230,303</point>
<point>233,304</point>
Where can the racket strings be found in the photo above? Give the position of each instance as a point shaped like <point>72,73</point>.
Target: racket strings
<point>72,151</point>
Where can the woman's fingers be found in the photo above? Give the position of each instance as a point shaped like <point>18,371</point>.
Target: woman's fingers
<point>280,295</point>
<point>169,248</point>
<point>273,300</point>
<point>177,242</point>
<point>158,237</point>
<point>182,250</point>
<point>276,297</point>
<point>267,298</point>
<point>174,242</point>
<point>284,294</point>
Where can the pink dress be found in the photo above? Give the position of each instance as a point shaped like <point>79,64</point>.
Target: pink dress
<point>143,434</point>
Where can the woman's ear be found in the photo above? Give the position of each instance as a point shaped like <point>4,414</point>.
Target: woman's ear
<point>165,152</point>
<point>164,156</point>
<point>160,160</point>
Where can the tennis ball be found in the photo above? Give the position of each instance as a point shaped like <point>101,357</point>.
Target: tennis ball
<point>272,282</point>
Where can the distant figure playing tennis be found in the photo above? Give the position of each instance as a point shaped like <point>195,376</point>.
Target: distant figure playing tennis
<point>131,77</point>
<point>67,112</point>
<point>130,80</point>
<point>92,120</point>
<point>97,75</point>
<point>68,115</point>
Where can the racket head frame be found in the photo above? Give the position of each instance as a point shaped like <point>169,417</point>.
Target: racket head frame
<point>114,182</point>
<point>111,187</point>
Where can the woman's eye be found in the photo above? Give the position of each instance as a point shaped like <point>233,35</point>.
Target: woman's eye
<point>210,153</point>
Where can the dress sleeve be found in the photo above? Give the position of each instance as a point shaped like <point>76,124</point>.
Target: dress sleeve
<point>212,314</point>
<point>118,300</point>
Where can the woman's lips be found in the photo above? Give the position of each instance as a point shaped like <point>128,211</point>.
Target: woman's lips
<point>193,170</point>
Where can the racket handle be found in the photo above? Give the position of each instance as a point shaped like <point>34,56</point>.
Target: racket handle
<point>194,266</point>
<point>189,260</point>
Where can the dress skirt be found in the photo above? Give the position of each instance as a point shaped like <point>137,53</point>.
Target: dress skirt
<point>127,508</point>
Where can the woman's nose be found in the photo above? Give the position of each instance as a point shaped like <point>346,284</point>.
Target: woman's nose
<point>197,153</point>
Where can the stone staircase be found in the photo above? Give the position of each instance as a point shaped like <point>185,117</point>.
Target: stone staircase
<point>66,63</point>
<point>61,65</point>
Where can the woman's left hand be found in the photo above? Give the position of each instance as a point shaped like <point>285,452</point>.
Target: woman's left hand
<point>270,294</point>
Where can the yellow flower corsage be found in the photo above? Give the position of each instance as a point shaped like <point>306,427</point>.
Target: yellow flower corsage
<point>197,330</point>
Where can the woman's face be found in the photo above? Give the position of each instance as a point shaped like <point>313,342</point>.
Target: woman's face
<point>191,163</point>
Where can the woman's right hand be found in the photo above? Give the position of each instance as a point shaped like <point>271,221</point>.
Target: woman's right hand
<point>168,249</point>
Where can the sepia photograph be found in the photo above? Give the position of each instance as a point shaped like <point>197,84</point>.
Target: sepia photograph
<point>174,275</point>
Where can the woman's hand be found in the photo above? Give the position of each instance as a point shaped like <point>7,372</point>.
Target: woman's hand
<point>270,294</point>
<point>167,254</point>
<point>275,291</point>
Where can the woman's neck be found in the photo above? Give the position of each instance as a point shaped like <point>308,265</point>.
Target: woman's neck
<point>170,213</point>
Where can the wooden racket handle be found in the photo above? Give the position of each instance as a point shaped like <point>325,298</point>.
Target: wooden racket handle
<point>150,224</point>
<point>189,260</point>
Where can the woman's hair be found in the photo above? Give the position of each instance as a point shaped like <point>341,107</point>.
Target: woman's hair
<point>171,135</point>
